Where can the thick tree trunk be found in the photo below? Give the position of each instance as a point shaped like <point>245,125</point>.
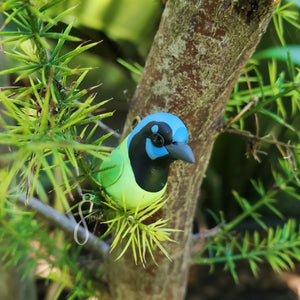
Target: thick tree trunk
<point>199,52</point>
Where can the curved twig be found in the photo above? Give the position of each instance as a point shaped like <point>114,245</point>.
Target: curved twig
<point>69,226</point>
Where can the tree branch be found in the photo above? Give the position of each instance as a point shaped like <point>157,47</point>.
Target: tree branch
<point>198,239</point>
<point>200,50</point>
<point>70,227</point>
<point>264,139</point>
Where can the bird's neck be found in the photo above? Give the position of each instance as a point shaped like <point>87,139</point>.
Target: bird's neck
<point>150,175</point>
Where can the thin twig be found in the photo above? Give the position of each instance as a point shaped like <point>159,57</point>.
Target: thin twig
<point>69,226</point>
<point>253,100</point>
<point>207,233</point>
<point>264,139</point>
<point>106,128</point>
<point>198,239</point>
<point>103,126</point>
<point>241,113</point>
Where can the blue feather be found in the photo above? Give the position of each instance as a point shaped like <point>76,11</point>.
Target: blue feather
<point>155,152</point>
<point>137,170</point>
<point>180,133</point>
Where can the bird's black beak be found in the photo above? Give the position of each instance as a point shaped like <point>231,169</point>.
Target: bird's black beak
<point>181,151</point>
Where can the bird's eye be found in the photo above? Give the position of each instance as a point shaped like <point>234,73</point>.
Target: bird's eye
<point>157,139</point>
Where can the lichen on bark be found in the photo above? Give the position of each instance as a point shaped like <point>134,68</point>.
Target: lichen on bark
<point>198,54</point>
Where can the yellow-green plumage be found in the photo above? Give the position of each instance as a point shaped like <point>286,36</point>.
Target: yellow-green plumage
<point>117,177</point>
<point>136,172</point>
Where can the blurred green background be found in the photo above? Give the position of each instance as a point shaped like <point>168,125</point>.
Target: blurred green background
<point>126,29</point>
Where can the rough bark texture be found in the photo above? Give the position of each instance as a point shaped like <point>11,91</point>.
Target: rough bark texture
<point>199,52</point>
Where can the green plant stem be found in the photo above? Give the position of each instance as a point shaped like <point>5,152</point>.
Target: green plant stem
<point>86,171</point>
<point>35,29</point>
<point>231,225</point>
<point>250,255</point>
<point>261,105</point>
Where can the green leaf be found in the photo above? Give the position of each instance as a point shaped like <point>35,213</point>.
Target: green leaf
<point>95,118</point>
<point>286,91</point>
<point>56,35</point>
<point>135,68</point>
<point>32,67</point>
<point>49,5</point>
<point>60,43</point>
<point>58,18</point>
<point>280,53</point>
<point>253,267</point>
<point>277,118</point>
<point>14,33</point>
<point>64,58</point>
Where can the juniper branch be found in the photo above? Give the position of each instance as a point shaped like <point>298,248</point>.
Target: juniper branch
<point>106,128</point>
<point>98,248</point>
<point>264,139</point>
<point>40,49</point>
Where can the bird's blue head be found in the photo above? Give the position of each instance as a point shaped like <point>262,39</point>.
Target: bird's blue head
<point>153,145</point>
<point>163,135</point>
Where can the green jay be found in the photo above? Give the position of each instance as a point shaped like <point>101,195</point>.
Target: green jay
<point>136,172</point>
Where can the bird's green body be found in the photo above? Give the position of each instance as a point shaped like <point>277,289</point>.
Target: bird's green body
<point>136,172</point>
<point>117,177</point>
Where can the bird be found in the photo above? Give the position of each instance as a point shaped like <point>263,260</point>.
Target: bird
<point>135,174</point>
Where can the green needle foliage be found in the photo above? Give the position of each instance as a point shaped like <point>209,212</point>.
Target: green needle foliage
<point>47,130</point>
<point>264,95</point>
<point>41,122</point>
<point>48,135</point>
<point>48,144</point>
<point>25,243</point>
<point>137,230</point>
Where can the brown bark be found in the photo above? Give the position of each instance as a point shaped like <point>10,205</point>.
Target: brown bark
<point>199,52</point>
